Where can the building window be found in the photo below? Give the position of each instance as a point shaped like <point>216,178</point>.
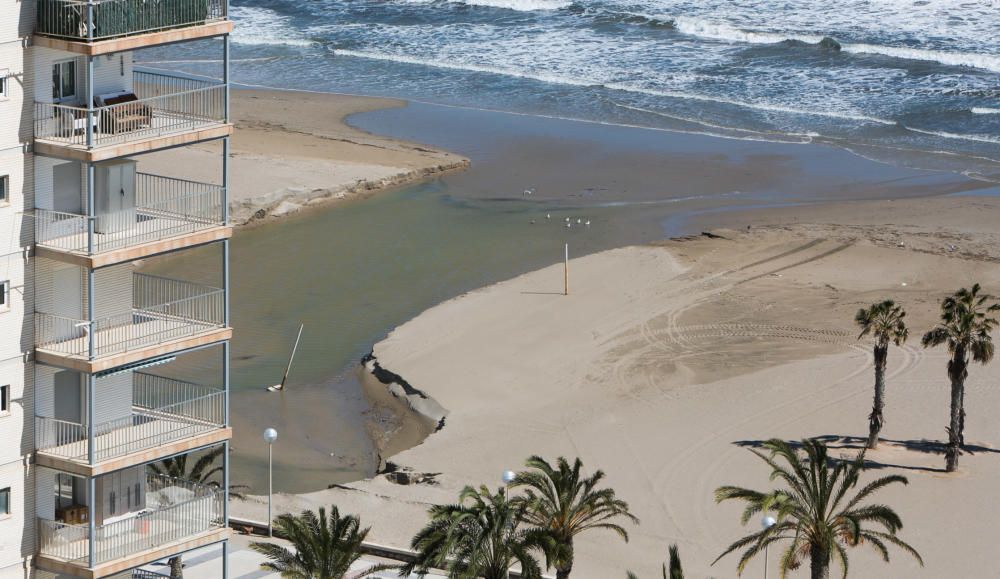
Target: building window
<point>5,400</point>
<point>4,81</point>
<point>5,501</point>
<point>4,189</point>
<point>64,81</point>
<point>4,295</point>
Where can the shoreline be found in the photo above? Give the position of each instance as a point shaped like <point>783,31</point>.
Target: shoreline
<point>294,151</point>
<point>692,339</point>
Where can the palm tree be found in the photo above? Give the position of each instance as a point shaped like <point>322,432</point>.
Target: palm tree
<point>563,503</point>
<point>325,548</point>
<point>813,512</point>
<point>203,471</point>
<point>965,326</point>
<point>884,321</point>
<point>480,536</point>
<point>675,572</point>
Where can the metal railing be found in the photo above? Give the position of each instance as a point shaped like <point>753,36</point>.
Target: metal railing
<point>166,522</point>
<point>106,19</point>
<point>165,207</point>
<point>149,116</point>
<point>163,309</point>
<point>142,430</point>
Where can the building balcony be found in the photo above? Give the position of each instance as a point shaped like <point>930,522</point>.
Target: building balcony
<point>168,417</point>
<point>175,516</point>
<point>160,111</point>
<point>169,214</point>
<point>166,316</point>
<point>104,26</point>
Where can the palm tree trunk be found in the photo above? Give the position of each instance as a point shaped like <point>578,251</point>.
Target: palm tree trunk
<point>176,567</point>
<point>957,372</point>
<point>819,563</point>
<point>875,419</point>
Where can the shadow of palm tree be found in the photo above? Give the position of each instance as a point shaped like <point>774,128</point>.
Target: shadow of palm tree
<point>857,444</point>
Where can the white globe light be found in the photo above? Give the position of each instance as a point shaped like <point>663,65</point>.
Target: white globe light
<point>270,435</point>
<point>768,522</point>
<point>508,476</point>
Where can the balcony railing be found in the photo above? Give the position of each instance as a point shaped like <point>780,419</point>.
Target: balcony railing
<point>165,207</point>
<point>165,105</point>
<point>163,411</point>
<point>85,21</point>
<point>175,511</point>
<point>162,310</point>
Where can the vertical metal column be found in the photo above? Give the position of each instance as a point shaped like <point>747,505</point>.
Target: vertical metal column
<point>225,74</point>
<point>91,353</point>
<point>225,383</point>
<point>225,560</point>
<point>91,481</point>
<point>90,87</point>
<point>225,484</point>
<point>91,207</point>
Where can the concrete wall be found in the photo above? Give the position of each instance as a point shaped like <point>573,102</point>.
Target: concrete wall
<point>16,326</point>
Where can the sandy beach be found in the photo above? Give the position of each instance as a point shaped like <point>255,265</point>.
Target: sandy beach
<point>294,149</point>
<point>667,360</point>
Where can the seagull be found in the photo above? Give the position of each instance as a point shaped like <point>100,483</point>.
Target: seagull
<point>579,221</point>
<point>567,220</point>
<point>548,216</point>
<point>587,223</point>
<point>568,224</point>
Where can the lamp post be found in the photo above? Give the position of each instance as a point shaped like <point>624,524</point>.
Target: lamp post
<point>270,435</point>
<point>507,478</point>
<point>767,522</point>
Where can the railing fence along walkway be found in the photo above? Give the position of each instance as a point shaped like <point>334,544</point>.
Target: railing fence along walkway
<point>165,207</point>
<point>175,511</point>
<point>163,309</point>
<point>166,105</point>
<point>107,19</point>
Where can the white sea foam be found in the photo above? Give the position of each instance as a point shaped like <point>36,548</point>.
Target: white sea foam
<point>452,65</point>
<point>726,32</point>
<point>519,5</point>
<point>263,26</point>
<point>723,31</point>
<point>751,105</point>
<point>984,61</point>
<point>961,137</point>
<point>985,111</point>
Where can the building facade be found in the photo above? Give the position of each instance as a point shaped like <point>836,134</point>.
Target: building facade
<point>98,413</point>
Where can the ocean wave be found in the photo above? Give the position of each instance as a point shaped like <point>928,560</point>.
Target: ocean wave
<point>544,77</point>
<point>985,111</point>
<point>564,80</point>
<point>262,26</point>
<point>518,5</point>
<point>957,136</point>
<point>750,105</point>
<point>722,31</point>
<point>984,61</point>
<point>714,30</point>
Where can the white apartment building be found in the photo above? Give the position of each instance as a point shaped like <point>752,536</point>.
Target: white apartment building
<point>95,428</point>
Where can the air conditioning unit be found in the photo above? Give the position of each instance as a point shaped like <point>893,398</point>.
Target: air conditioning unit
<point>114,196</point>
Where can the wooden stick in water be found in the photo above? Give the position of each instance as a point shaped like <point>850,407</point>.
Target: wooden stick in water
<point>288,368</point>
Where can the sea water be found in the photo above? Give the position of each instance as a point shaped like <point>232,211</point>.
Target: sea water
<point>884,77</point>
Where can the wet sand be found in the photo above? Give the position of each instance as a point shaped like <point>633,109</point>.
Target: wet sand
<point>354,270</point>
<point>668,360</point>
<point>292,150</point>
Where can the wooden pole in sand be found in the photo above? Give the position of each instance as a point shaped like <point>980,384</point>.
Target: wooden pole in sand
<point>566,271</point>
